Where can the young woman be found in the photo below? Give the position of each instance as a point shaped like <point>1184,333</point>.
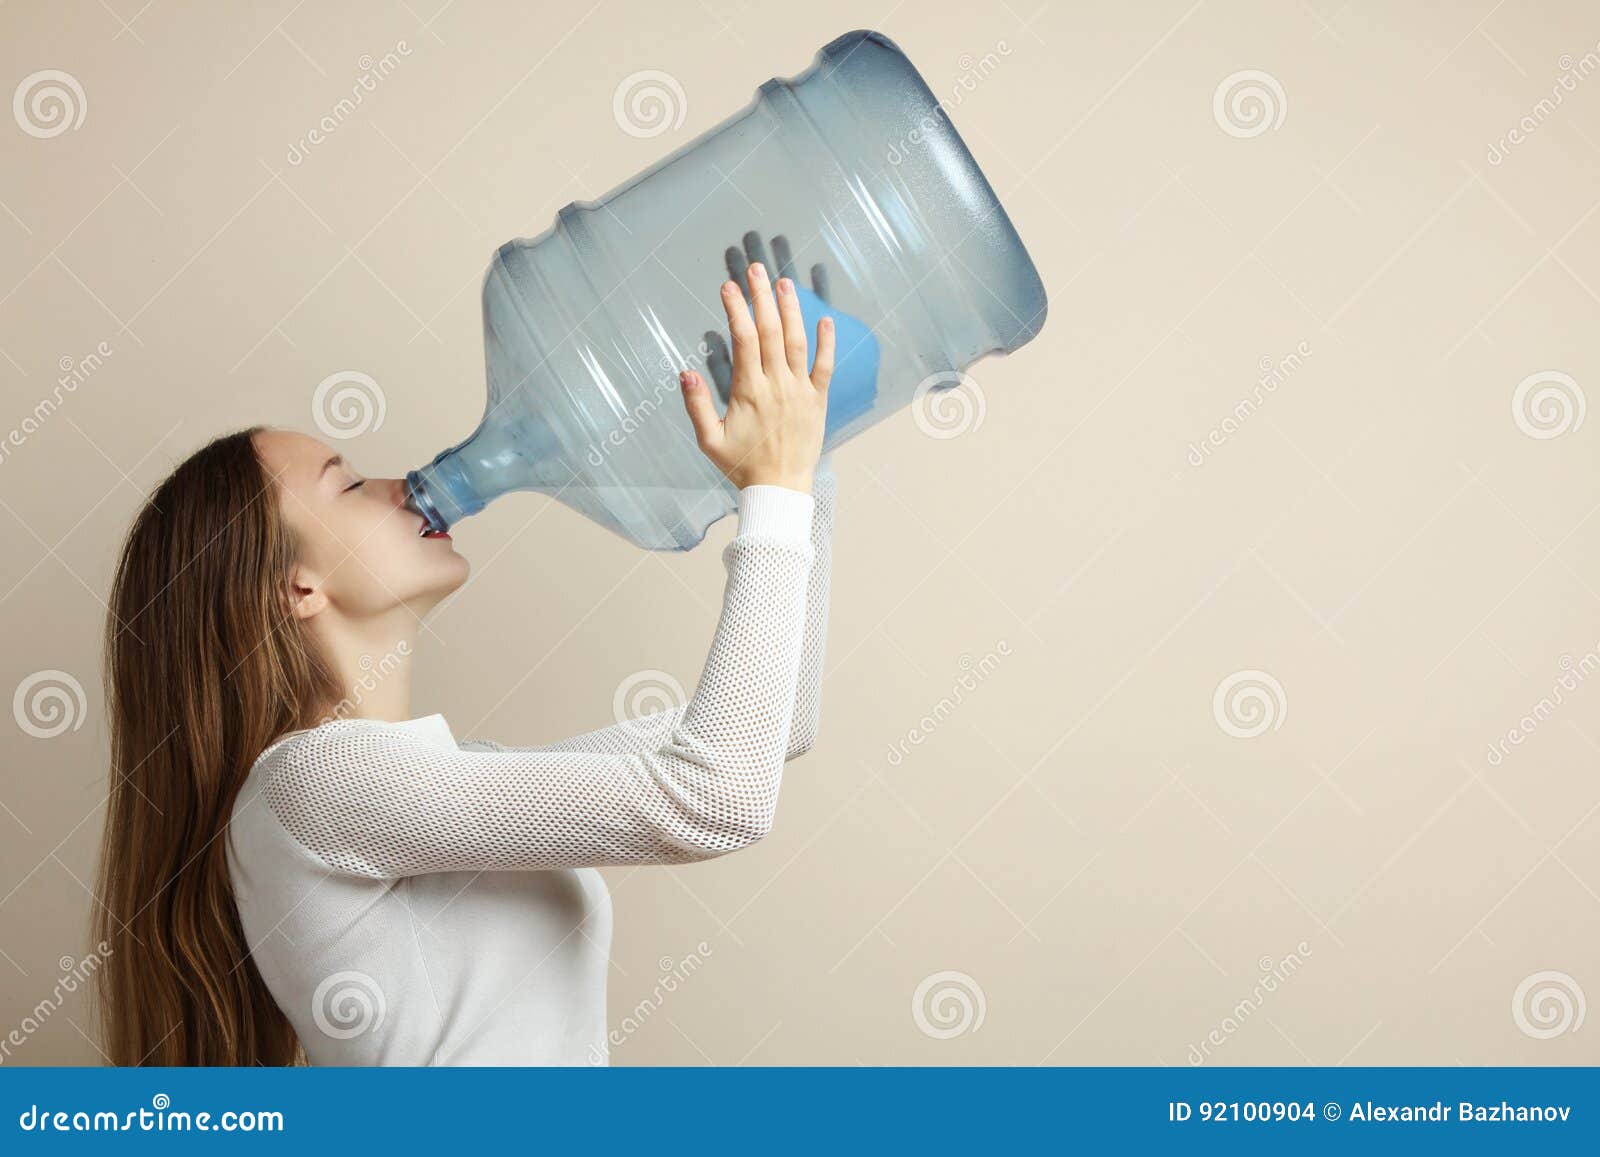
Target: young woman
<point>294,872</point>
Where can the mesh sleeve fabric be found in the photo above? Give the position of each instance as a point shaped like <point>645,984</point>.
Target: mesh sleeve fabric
<point>647,732</point>
<point>808,689</point>
<point>374,799</point>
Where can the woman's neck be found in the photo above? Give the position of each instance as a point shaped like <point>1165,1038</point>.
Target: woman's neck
<point>371,663</point>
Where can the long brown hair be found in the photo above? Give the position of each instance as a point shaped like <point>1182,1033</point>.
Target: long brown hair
<point>205,665</point>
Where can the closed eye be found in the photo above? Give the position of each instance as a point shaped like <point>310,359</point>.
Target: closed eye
<point>355,485</point>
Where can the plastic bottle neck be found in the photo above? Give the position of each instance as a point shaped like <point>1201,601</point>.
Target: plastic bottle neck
<point>442,491</point>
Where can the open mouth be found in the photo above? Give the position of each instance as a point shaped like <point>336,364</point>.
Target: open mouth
<point>426,531</point>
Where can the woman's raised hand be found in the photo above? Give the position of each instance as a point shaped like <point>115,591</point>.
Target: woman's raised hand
<point>772,431</point>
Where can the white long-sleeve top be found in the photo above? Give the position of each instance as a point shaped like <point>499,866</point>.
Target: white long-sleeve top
<point>413,900</point>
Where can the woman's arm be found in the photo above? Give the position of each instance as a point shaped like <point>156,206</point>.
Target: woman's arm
<point>808,689</point>
<point>376,800</point>
<point>647,732</point>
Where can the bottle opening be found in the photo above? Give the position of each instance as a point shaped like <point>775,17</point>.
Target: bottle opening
<point>418,502</point>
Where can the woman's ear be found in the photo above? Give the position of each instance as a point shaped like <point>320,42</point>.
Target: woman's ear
<point>305,594</point>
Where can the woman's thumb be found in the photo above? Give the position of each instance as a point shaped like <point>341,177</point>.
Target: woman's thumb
<point>702,414</point>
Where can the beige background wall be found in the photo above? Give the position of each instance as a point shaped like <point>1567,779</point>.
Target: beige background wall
<point>1410,557</point>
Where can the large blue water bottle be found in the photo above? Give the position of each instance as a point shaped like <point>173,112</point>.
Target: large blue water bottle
<point>854,167</point>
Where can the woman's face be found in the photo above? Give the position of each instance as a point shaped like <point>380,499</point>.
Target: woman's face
<point>361,553</point>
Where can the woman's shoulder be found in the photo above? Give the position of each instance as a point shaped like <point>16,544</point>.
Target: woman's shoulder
<point>347,749</point>
<point>318,758</point>
<point>336,743</point>
<point>327,735</point>
<point>352,775</point>
<point>305,776</point>
<point>303,773</point>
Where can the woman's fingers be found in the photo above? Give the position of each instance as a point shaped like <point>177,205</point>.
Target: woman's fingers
<point>765,319</point>
<point>702,414</point>
<point>771,430</point>
<point>751,251</point>
<point>769,326</point>
<point>822,368</point>
<point>794,328</point>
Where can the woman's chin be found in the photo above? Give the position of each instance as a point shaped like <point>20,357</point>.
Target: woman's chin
<point>457,568</point>
<point>443,576</point>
